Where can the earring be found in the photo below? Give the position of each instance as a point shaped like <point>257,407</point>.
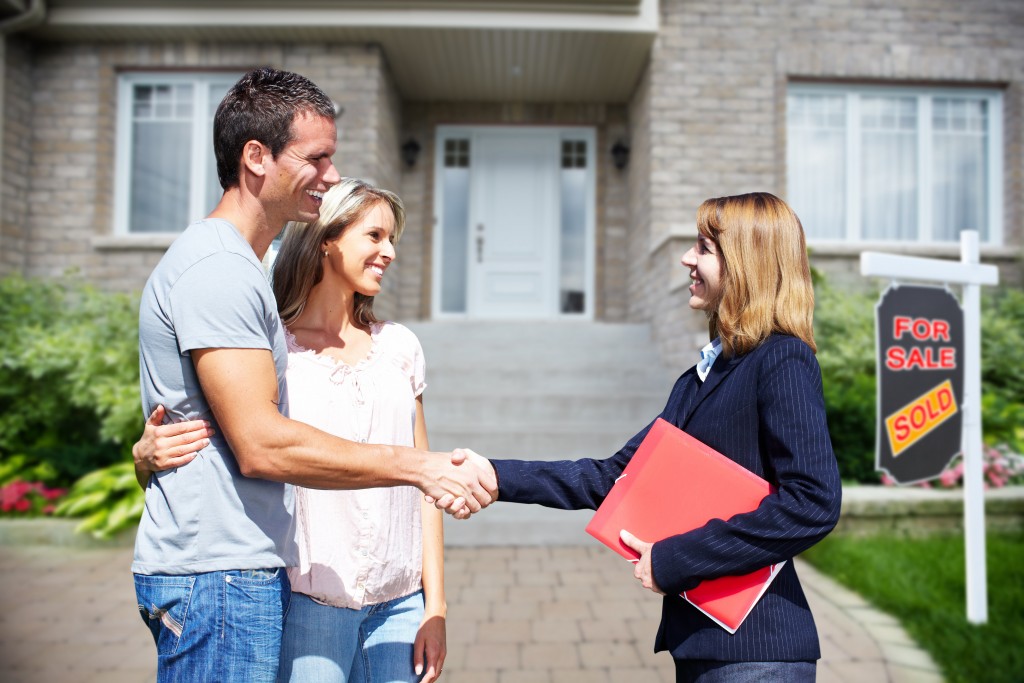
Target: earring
<point>325,253</point>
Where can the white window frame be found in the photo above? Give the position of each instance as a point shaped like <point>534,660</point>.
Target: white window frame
<point>924,95</point>
<point>202,147</point>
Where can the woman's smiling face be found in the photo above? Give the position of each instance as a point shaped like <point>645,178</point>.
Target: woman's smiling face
<point>705,263</point>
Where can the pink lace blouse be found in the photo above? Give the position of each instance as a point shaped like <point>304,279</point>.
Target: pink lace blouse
<point>359,547</point>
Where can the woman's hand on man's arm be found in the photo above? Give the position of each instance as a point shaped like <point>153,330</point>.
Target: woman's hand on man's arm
<point>166,446</point>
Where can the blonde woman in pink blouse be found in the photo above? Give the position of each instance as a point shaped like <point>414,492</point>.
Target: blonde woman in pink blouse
<point>368,598</point>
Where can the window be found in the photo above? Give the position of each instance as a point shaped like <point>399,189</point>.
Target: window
<point>572,290</point>
<point>895,164</point>
<point>455,225</point>
<point>166,172</point>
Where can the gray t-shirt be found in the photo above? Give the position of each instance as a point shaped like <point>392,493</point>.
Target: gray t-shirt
<point>208,291</point>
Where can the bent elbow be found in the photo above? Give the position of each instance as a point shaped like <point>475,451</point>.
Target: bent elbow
<point>252,464</point>
<point>832,511</point>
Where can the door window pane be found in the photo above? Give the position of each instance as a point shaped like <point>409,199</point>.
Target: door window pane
<point>454,225</point>
<point>572,271</point>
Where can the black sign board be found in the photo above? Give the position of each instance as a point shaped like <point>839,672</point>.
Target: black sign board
<point>920,381</point>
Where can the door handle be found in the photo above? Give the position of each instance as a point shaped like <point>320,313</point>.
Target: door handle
<point>480,243</point>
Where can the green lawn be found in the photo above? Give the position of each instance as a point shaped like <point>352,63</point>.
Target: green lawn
<point>921,583</point>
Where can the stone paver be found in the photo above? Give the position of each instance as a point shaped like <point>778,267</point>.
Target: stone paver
<point>516,614</point>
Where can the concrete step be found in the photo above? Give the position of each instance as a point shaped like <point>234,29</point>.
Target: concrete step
<point>563,441</point>
<point>527,379</point>
<point>579,357</point>
<point>546,344</point>
<point>540,407</point>
<point>529,332</point>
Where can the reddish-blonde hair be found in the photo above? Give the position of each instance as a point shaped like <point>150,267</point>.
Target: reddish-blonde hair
<point>766,277</point>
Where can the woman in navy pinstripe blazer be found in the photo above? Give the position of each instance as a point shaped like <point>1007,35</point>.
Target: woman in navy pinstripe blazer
<point>756,397</point>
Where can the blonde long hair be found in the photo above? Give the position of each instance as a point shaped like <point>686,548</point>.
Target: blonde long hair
<point>299,265</point>
<point>766,277</point>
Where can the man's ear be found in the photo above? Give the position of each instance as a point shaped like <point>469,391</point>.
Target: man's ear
<point>253,155</point>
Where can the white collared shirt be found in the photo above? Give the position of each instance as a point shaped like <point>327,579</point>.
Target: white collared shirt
<point>707,357</point>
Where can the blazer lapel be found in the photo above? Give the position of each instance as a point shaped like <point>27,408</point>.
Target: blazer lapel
<point>719,371</point>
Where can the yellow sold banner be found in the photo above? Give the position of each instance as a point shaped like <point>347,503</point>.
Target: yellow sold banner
<point>919,417</point>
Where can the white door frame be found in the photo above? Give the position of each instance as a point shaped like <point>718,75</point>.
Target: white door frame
<point>586,134</point>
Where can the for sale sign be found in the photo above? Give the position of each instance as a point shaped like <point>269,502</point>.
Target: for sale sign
<point>920,381</point>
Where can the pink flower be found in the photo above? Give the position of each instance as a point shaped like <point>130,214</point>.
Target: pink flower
<point>949,478</point>
<point>23,505</point>
<point>53,494</point>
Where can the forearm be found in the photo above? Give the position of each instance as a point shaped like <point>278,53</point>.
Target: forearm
<point>434,600</point>
<point>290,451</point>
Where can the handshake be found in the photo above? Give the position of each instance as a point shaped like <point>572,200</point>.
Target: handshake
<point>466,484</point>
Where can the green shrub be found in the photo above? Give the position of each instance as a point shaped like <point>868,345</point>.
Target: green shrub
<point>1002,367</point>
<point>69,378</point>
<point>108,499</point>
<point>844,329</point>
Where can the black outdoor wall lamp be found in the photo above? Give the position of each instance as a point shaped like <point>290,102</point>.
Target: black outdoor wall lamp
<point>620,154</point>
<point>410,152</point>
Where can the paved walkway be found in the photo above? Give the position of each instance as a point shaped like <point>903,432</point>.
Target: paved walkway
<point>557,614</point>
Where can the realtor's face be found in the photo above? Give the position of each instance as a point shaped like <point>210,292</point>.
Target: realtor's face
<point>704,261</point>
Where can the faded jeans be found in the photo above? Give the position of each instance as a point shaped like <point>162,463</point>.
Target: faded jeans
<point>707,671</point>
<point>216,626</point>
<point>324,644</point>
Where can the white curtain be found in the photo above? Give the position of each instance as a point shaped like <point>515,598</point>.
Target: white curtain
<point>161,164</point>
<point>960,129</point>
<point>161,158</point>
<point>889,174</point>
<point>816,163</point>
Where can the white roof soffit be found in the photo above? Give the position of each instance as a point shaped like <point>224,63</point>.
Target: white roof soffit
<point>454,50</point>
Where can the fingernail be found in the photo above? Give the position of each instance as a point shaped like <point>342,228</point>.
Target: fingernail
<point>419,669</point>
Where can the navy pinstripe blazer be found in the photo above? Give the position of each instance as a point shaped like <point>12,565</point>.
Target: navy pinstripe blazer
<point>765,410</point>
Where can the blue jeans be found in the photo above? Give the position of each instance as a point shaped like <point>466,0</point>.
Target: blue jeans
<point>216,626</point>
<point>324,644</point>
<point>708,671</point>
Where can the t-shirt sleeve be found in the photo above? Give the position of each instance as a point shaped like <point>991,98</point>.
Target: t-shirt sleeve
<point>218,303</point>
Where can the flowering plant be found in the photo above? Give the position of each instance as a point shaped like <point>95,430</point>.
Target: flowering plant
<point>28,498</point>
<point>1001,467</point>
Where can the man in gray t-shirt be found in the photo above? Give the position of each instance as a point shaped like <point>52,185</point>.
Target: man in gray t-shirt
<point>216,533</point>
<point>208,291</point>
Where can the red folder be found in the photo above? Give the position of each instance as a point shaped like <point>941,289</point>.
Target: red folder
<point>674,484</point>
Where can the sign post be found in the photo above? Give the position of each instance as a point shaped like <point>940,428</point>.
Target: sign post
<point>970,273</point>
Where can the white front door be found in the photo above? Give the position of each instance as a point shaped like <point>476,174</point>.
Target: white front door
<point>515,222</point>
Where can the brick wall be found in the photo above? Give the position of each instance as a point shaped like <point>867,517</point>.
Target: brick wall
<point>70,182</point>
<point>712,108</point>
<point>17,113</point>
